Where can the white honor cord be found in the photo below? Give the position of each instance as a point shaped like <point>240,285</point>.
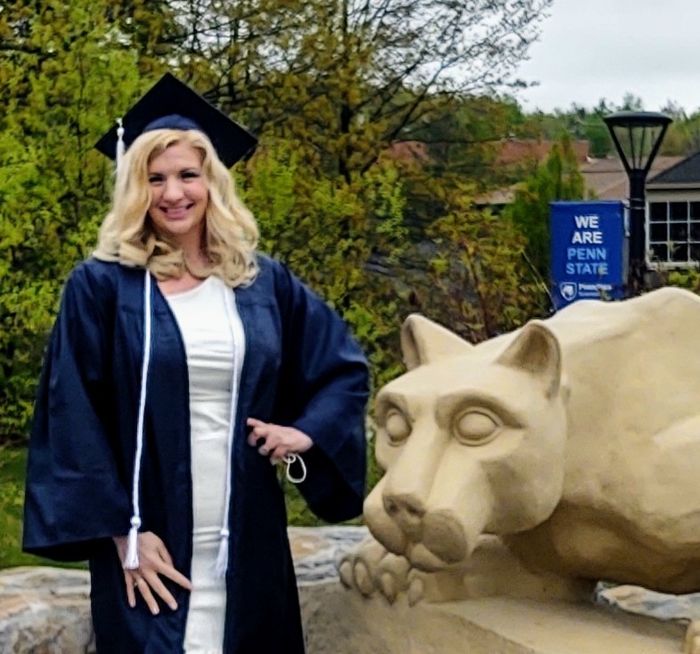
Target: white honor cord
<point>238,355</point>
<point>131,562</point>
<point>290,459</point>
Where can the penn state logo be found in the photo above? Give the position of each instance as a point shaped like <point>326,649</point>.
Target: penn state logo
<point>568,290</point>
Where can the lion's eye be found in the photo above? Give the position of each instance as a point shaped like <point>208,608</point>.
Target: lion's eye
<point>397,426</point>
<point>475,427</point>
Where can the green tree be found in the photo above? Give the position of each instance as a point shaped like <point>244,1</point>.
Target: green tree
<point>463,134</point>
<point>477,282</point>
<point>329,86</point>
<point>65,70</point>
<point>558,178</point>
<point>344,79</point>
<point>328,231</point>
<point>683,135</point>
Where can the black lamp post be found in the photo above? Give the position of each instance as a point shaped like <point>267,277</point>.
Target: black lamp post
<point>637,136</point>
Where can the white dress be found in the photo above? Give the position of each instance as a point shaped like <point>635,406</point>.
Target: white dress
<point>209,330</point>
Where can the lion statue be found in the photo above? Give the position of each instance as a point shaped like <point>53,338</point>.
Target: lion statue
<point>541,461</point>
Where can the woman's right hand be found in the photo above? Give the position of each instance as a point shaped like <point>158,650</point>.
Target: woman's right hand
<point>154,560</point>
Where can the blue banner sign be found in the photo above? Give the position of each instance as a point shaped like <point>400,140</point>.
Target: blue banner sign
<point>587,255</point>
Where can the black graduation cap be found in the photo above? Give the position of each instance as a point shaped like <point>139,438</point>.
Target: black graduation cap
<point>170,104</point>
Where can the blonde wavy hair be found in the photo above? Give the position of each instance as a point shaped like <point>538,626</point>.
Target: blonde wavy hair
<point>127,234</point>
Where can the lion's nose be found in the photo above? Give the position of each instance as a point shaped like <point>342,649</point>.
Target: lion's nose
<point>407,511</point>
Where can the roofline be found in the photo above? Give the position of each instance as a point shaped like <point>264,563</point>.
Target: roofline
<point>673,186</point>
<point>670,168</point>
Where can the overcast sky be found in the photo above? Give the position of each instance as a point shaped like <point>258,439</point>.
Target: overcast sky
<point>592,49</point>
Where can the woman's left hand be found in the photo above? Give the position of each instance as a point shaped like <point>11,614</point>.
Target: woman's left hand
<point>278,441</point>
<point>154,561</point>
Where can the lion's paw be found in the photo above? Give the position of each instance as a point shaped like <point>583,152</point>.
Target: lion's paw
<point>692,638</point>
<point>370,569</point>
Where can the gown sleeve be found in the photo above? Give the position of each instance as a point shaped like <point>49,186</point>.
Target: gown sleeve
<point>73,494</point>
<point>325,390</point>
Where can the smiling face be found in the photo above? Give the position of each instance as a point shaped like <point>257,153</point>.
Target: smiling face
<point>179,195</point>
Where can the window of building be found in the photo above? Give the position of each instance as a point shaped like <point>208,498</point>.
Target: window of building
<point>674,233</point>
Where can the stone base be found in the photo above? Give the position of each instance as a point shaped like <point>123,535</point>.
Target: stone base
<point>46,611</point>
<point>340,621</point>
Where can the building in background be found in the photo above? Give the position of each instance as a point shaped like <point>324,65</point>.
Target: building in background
<point>605,179</point>
<point>673,215</point>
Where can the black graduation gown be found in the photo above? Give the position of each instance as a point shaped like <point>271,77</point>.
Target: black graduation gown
<point>301,368</point>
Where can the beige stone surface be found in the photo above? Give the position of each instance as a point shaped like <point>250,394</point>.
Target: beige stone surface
<point>540,461</point>
<point>45,611</point>
<point>342,622</point>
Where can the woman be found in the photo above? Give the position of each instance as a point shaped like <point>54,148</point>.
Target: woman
<point>181,366</point>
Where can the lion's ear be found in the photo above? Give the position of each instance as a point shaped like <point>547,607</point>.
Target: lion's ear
<point>424,341</point>
<point>536,351</point>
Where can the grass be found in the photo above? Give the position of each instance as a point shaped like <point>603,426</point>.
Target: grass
<point>12,464</point>
<point>13,461</point>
